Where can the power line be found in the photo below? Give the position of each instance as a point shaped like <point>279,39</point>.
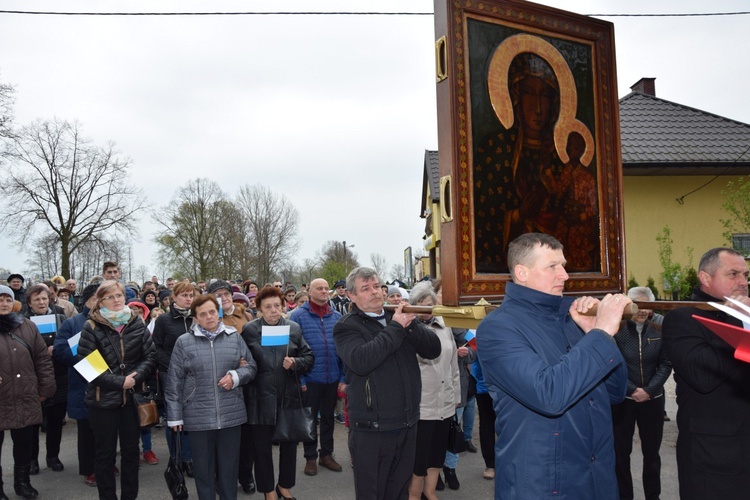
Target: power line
<point>277,13</point>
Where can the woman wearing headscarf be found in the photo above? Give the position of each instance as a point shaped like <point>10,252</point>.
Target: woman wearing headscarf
<point>125,344</point>
<point>23,353</point>
<point>150,298</point>
<point>203,396</point>
<point>441,394</point>
<point>53,409</point>
<point>279,368</point>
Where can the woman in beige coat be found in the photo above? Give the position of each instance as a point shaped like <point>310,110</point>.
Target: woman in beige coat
<point>441,393</point>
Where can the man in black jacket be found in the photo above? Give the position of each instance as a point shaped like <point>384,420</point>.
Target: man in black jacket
<point>713,388</point>
<point>380,351</point>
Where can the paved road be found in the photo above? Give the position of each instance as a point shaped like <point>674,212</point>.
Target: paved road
<point>326,485</point>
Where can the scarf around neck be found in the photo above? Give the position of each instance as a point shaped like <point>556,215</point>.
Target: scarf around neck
<point>116,318</point>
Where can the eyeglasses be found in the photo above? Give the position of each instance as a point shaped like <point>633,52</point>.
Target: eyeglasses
<point>117,296</point>
<point>223,295</point>
<point>277,286</point>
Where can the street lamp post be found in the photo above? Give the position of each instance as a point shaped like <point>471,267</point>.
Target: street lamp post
<point>346,261</point>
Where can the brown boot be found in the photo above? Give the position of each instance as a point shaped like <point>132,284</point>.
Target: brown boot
<point>311,467</point>
<point>329,463</point>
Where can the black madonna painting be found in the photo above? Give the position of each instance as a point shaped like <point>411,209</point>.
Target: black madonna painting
<point>534,148</point>
<point>528,141</point>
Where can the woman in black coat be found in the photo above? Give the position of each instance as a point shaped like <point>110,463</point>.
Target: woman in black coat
<point>277,380</point>
<point>53,409</point>
<point>125,344</point>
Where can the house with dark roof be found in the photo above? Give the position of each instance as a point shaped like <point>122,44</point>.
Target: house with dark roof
<point>676,161</point>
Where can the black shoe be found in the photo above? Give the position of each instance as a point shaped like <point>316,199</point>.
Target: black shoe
<point>55,464</point>
<point>440,484</point>
<point>470,446</point>
<point>22,484</point>
<point>249,488</point>
<point>451,479</point>
<point>34,468</point>
<point>188,468</point>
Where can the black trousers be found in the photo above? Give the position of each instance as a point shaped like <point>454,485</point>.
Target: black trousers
<point>245,475</point>
<point>22,439</point>
<point>264,475</point>
<point>216,455</point>
<point>649,416</point>
<point>54,416</point>
<point>486,429</point>
<point>108,425</point>
<point>321,398</point>
<point>383,462</point>
<point>86,447</point>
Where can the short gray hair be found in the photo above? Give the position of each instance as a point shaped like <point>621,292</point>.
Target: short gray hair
<point>420,292</point>
<point>637,292</point>
<point>710,261</point>
<point>363,273</point>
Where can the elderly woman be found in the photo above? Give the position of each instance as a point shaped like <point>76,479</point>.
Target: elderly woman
<point>150,298</point>
<point>38,298</point>
<point>441,394</point>
<point>204,397</point>
<point>125,344</point>
<point>279,368</point>
<point>640,343</point>
<point>27,377</point>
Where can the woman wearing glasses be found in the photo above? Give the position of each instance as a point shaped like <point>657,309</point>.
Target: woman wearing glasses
<point>125,344</point>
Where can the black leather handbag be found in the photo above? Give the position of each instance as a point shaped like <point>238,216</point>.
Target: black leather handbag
<point>294,423</point>
<point>456,441</point>
<point>174,475</point>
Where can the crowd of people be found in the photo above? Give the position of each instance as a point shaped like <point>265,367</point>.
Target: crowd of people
<point>560,383</point>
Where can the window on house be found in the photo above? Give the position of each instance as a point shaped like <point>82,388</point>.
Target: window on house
<point>741,243</point>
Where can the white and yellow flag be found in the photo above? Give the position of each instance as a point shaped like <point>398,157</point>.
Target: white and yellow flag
<point>91,366</point>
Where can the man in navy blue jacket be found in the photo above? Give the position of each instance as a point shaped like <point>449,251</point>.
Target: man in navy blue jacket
<point>552,374</point>
<point>322,383</point>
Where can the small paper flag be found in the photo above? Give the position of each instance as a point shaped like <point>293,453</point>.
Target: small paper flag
<point>73,343</point>
<point>46,323</point>
<point>274,335</point>
<point>471,338</point>
<point>91,366</point>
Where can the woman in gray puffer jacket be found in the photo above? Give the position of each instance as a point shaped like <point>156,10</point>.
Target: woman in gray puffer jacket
<point>203,394</point>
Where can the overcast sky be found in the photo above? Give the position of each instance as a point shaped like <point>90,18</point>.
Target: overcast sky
<point>335,112</point>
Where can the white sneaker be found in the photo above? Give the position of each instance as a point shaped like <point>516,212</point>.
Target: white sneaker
<point>489,473</point>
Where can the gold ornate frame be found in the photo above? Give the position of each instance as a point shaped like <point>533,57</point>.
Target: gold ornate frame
<point>532,27</point>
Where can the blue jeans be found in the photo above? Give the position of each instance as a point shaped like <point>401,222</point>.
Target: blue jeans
<point>187,455</point>
<point>146,439</point>
<point>469,411</point>
<point>451,459</point>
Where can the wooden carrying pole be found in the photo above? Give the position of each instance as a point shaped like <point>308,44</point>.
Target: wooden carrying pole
<point>470,316</point>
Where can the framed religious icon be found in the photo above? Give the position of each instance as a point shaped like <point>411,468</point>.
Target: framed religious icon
<point>529,141</point>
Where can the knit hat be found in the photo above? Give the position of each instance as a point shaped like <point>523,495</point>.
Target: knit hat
<point>218,285</point>
<point>6,290</point>
<point>88,292</point>
<point>251,295</point>
<point>393,289</point>
<point>163,294</point>
<point>240,297</point>
<point>15,276</point>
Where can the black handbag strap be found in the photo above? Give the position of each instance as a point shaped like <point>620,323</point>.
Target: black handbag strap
<point>177,442</point>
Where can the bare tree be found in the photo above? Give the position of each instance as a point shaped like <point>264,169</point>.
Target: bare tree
<point>7,100</point>
<point>191,238</point>
<point>272,223</point>
<point>397,272</point>
<point>142,273</point>
<point>379,264</point>
<point>60,181</point>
